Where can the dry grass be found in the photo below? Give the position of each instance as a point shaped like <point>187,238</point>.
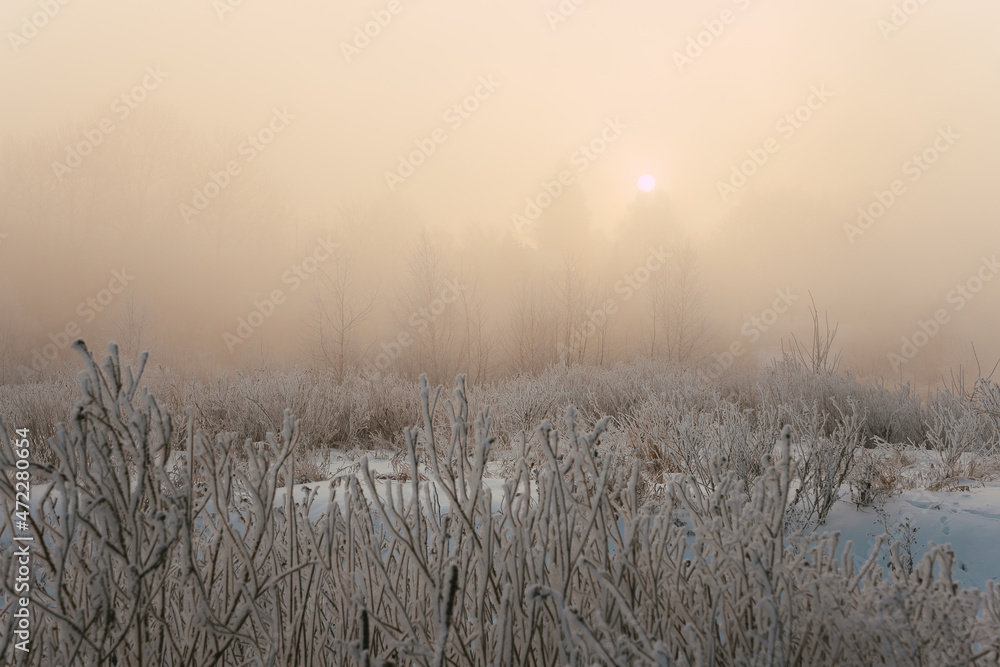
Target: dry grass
<point>370,410</point>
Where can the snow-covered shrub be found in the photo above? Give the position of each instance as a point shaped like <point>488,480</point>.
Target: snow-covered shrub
<point>986,397</point>
<point>891,414</point>
<point>380,407</point>
<point>875,477</point>
<point>38,407</point>
<point>373,408</point>
<point>677,432</point>
<point>523,401</point>
<point>960,433</point>
<point>826,446</point>
<point>900,541</point>
<point>145,556</point>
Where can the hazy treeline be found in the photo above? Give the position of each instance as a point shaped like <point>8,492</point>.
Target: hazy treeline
<point>235,275</point>
<point>185,244</point>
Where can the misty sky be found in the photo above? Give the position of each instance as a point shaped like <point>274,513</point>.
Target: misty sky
<point>879,86</point>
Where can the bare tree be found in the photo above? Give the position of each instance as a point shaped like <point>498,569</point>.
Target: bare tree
<point>817,357</point>
<point>14,361</point>
<point>602,324</point>
<point>426,311</point>
<point>577,304</point>
<point>657,299</point>
<point>479,341</point>
<point>130,327</point>
<point>530,336</point>
<point>340,310</point>
<point>686,322</point>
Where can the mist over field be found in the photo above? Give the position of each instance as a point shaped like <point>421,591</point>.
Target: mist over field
<point>452,186</point>
<point>568,332</point>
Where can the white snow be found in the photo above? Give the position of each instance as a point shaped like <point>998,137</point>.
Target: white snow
<point>967,520</point>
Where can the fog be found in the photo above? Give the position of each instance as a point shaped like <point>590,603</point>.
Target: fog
<point>238,185</point>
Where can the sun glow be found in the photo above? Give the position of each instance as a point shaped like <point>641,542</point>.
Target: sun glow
<point>646,183</point>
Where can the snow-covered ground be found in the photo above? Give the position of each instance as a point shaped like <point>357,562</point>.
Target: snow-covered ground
<point>968,519</point>
<point>382,470</point>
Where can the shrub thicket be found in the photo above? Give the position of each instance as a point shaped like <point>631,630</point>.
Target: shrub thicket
<point>184,549</point>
